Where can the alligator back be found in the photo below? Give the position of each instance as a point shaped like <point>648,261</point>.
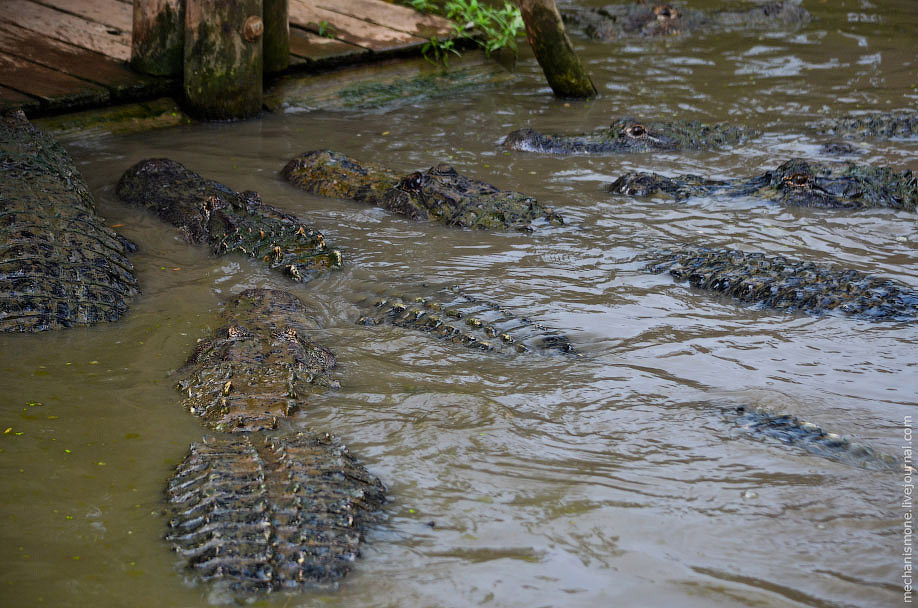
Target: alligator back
<point>440,194</point>
<point>882,125</point>
<point>454,316</point>
<point>282,513</point>
<point>210,213</point>
<point>60,266</point>
<point>257,367</point>
<point>791,285</point>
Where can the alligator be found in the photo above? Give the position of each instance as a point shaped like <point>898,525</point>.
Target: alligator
<point>210,213</point>
<point>653,20</point>
<point>797,182</point>
<point>250,509</point>
<point>630,135</point>
<point>786,284</point>
<point>454,316</point>
<point>60,265</point>
<point>898,124</point>
<point>438,194</point>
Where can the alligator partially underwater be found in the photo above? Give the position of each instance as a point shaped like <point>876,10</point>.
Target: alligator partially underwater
<point>60,265</point>
<point>796,182</point>
<point>628,134</point>
<point>210,213</point>
<point>439,194</point>
<point>255,510</point>
<point>898,124</point>
<point>657,20</point>
<point>786,284</point>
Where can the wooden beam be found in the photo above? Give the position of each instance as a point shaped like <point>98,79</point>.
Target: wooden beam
<point>377,38</point>
<point>77,62</point>
<point>393,16</point>
<point>69,28</point>
<point>106,12</point>
<point>55,89</point>
<point>10,100</point>
<point>311,46</point>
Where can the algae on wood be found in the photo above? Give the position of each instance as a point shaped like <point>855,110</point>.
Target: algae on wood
<point>545,32</point>
<point>276,45</point>
<point>158,37</point>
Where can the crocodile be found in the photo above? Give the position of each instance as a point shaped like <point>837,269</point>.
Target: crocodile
<point>438,194</point>
<point>210,213</point>
<point>657,20</point>
<point>797,182</point>
<point>60,265</point>
<point>628,134</point>
<point>454,316</point>
<point>251,509</point>
<point>782,283</point>
<point>898,124</point>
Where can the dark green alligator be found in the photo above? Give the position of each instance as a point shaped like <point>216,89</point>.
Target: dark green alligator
<point>439,194</point>
<point>630,135</point>
<point>656,20</point>
<point>258,511</point>
<point>786,284</point>
<point>797,182</point>
<point>898,124</point>
<point>454,316</point>
<point>60,266</point>
<point>210,213</point>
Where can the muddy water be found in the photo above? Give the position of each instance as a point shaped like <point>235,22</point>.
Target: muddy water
<point>516,480</point>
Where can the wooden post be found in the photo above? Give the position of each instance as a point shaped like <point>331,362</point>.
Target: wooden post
<point>158,36</point>
<point>277,35</point>
<point>223,58</point>
<point>545,32</point>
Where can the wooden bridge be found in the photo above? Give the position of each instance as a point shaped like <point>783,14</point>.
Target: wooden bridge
<point>61,55</point>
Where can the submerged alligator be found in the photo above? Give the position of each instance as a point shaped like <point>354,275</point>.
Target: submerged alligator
<point>785,284</point>
<point>879,125</point>
<point>655,20</point>
<point>210,213</point>
<point>630,135</point>
<point>796,182</point>
<point>439,194</point>
<point>60,266</point>
<point>255,511</point>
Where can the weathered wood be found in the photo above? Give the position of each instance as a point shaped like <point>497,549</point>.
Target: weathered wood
<point>75,61</point>
<point>223,70</point>
<point>56,24</point>
<point>10,99</point>
<point>106,12</point>
<point>396,17</point>
<point>319,50</point>
<point>553,50</point>
<point>54,88</point>
<point>276,45</point>
<point>157,43</point>
<point>356,31</point>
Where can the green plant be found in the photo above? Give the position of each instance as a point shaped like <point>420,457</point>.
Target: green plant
<point>423,6</point>
<point>498,27</point>
<point>437,51</point>
<point>326,30</point>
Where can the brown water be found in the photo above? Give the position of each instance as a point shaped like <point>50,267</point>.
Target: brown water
<point>612,479</point>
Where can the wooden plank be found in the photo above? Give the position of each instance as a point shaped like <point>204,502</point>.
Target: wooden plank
<point>63,26</point>
<point>10,99</point>
<point>55,89</point>
<point>356,31</point>
<point>309,46</point>
<point>393,16</point>
<point>106,12</point>
<point>75,61</point>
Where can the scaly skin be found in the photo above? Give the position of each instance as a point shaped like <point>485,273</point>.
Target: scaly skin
<point>796,183</point>
<point>790,285</point>
<point>60,266</point>
<point>627,134</point>
<point>877,125</point>
<point>210,213</point>
<point>656,20</point>
<point>456,317</point>
<point>439,194</point>
<point>258,513</point>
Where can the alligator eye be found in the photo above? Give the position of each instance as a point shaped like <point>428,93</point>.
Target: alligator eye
<point>413,181</point>
<point>636,131</point>
<point>797,180</point>
<point>665,11</point>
